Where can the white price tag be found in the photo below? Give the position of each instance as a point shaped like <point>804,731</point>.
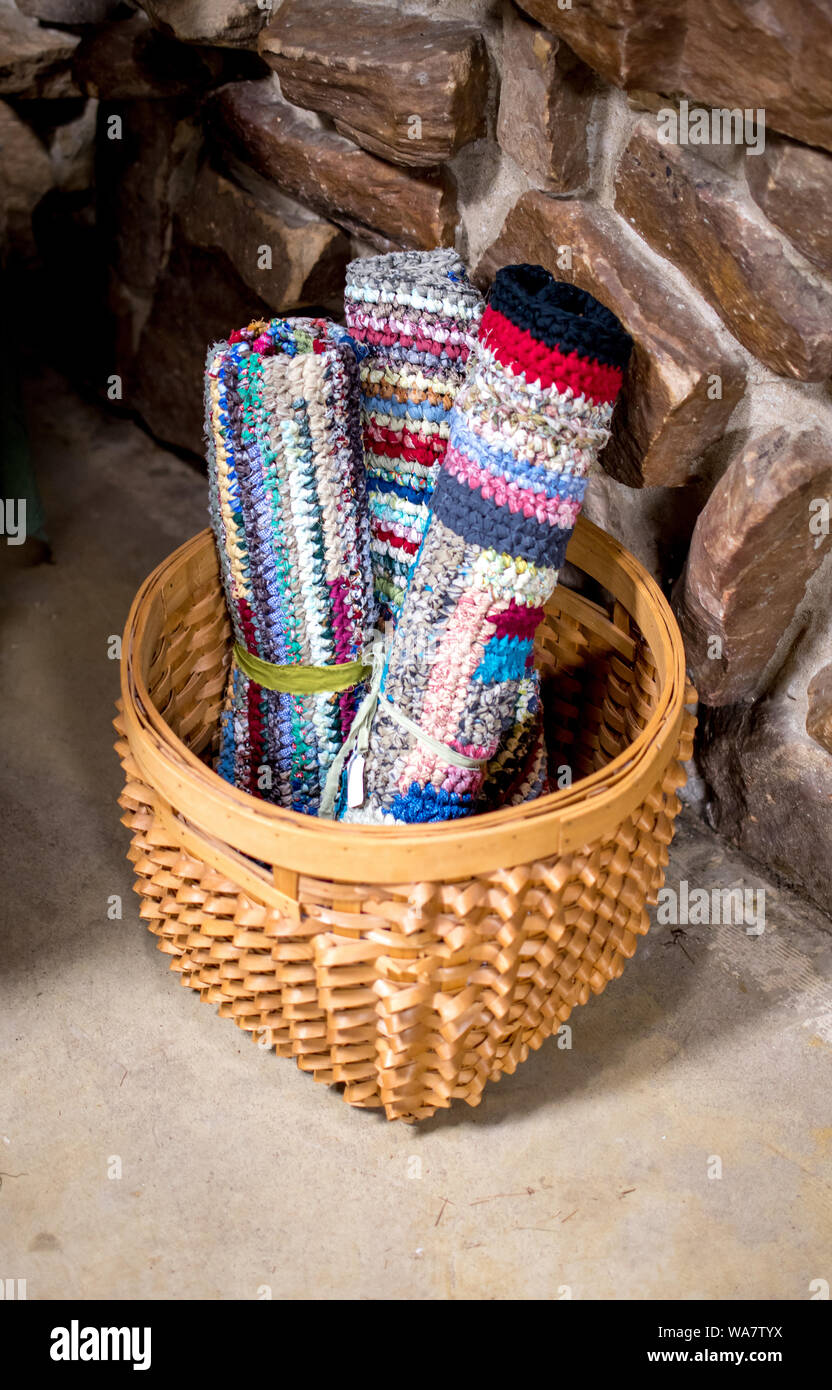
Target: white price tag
<point>355,781</point>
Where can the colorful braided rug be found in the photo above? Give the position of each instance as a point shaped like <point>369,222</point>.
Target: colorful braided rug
<point>288,510</point>
<point>418,314</point>
<point>456,727</point>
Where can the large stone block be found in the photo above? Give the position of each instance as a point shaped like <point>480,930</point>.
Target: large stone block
<point>231,260</point>
<point>770,790</point>
<point>34,62</point>
<point>682,382</point>
<point>130,60</point>
<point>72,148</point>
<point>819,713</point>
<point>199,299</point>
<point>139,179</point>
<point>74,12</point>
<point>288,261</point>
<point>545,105</point>
<point>699,217</point>
<point>25,177</point>
<point>735,53</point>
<point>327,172</point>
<point>757,543</point>
<point>768,773</point>
<point>404,87</point>
<point>793,186</point>
<point>629,43</point>
<point>227,23</point>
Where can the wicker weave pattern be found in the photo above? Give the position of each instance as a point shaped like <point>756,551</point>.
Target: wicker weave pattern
<point>416,994</point>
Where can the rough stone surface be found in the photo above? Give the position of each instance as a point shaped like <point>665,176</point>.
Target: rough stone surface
<point>793,186</point>
<point>654,523</point>
<point>25,176</point>
<point>308,256</point>
<point>719,52</point>
<point>72,150</point>
<point>228,23</point>
<point>212,282</point>
<point>771,790</point>
<point>754,549</point>
<point>404,87</point>
<point>129,59</point>
<point>199,297</point>
<point>769,782</point>
<point>34,62</point>
<point>329,173</point>
<point>691,212</point>
<point>139,180</point>
<point>69,11</point>
<point>665,419</point>
<point>545,104</point>
<point>627,42</point>
<point>819,715</point>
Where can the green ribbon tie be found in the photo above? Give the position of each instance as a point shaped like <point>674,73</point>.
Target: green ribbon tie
<point>300,680</point>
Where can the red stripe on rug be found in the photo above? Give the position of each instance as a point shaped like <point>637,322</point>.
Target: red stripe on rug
<point>516,348</point>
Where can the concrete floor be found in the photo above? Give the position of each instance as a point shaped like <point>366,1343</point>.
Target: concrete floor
<point>590,1173</point>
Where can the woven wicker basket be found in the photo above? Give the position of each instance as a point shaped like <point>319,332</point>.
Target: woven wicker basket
<point>411,965</point>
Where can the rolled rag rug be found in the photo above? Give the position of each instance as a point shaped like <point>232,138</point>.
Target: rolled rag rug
<point>418,314</point>
<point>288,510</point>
<point>458,677</point>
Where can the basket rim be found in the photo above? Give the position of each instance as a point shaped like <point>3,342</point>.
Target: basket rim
<point>554,824</point>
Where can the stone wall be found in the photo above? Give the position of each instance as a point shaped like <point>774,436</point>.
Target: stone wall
<point>209,160</point>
